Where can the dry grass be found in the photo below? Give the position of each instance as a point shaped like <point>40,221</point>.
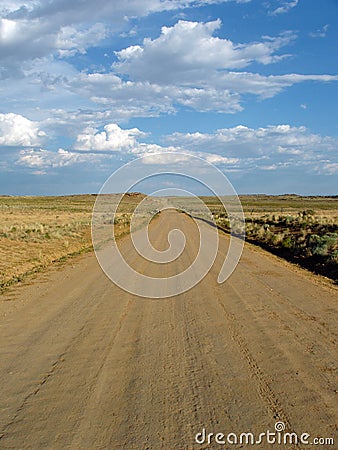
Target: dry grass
<point>34,232</point>
<point>37,231</point>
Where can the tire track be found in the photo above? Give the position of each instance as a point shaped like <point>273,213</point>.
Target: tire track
<point>58,367</point>
<point>264,389</point>
<point>99,378</point>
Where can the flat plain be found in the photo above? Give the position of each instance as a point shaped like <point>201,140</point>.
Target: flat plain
<point>36,232</point>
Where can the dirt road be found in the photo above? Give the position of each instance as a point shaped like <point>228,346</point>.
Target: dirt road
<point>85,365</point>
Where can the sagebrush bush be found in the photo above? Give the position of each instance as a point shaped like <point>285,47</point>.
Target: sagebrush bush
<point>325,245</point>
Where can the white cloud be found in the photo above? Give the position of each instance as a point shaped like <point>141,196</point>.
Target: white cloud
<point>256,140</point>
<point>218,159</point>
<point>113,138</point>
<point>78,10</point>
<point>320,32</point>
<point>264,86</point>
<point>273,146</point>
<point>218,91</point>
<point>9,6</point>
<point>151,99</point>
<point>157,154</point>
<point>23,41</point>
<point>208,99</point>
<point>16,130</point>
<point>328,168</point>
<point>70,40</point>
<point>43,159</point>
<point>285,7</point>
<point>190,66</point>
<point>188,51</point>
<point>98,147</point>
<point>7,29</point>
<point>238,149</point>
<point>127,142</point>
<point>36,29</point>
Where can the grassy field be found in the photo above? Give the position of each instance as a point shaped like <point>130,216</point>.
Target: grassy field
<point>38,231</point>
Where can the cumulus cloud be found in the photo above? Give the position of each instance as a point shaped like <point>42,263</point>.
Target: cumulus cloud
<point>158,154</point>
<point>188,51</point>
<point>21,41</point>
<point>192,67</point>
<point>70,40</point>
<point>113,138</point>
<point>109,90</point>
<point>256,138</point>
<point>16,130</point>
<point>127,141</point>
<point>93,146</point>
<point>41,160</point>
<point>189,67</point>
<point>9,6</point>
<point>237,149</point>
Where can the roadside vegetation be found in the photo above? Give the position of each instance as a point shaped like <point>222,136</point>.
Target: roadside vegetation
<point>303,230</point>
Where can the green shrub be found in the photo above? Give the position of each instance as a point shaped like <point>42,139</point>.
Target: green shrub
<point>323,245</point>
<point>288,242</point>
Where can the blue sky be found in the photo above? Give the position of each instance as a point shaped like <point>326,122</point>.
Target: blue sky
<point>249,85</point>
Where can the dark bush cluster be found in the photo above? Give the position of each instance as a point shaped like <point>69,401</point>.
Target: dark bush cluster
<point>306,238</point>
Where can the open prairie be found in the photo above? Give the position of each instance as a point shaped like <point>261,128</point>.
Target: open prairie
<point>38,231</point>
